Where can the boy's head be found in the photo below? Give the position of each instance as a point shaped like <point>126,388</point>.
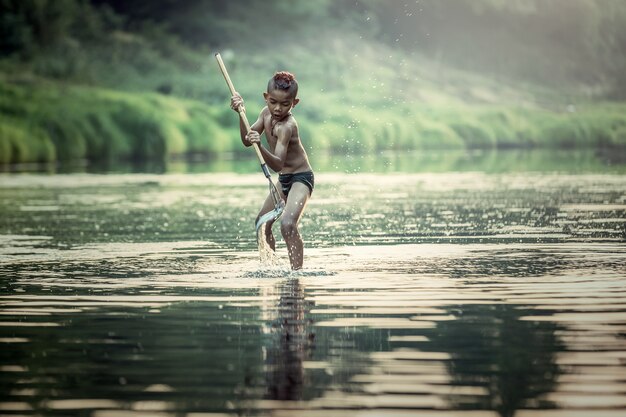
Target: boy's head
<point>284,81</point>
<point>281,93</point>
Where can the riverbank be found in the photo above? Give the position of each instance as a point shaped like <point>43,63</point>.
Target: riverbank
<point>44,121</point>
<point>356,97</point>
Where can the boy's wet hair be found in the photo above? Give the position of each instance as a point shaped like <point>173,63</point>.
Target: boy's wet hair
<point>283,80</point>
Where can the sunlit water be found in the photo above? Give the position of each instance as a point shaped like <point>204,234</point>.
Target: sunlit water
<point>447,294</point>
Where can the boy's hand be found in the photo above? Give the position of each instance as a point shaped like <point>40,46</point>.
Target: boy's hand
<point>253,137</point>
<point>236,103</point>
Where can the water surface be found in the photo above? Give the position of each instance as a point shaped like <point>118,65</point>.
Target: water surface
<point>445,292</point>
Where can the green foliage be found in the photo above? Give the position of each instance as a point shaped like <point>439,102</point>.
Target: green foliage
<point>511,127</point>
<point>22,143</point>
<point>34,26</point>
<point>557,42</point>
<point>473,134</point>
<point>87,89</point>
<point>436,135</point>
<point>600,126</point>
<point>45,122</point>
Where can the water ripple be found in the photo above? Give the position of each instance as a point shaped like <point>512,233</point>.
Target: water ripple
<point>467,295</point>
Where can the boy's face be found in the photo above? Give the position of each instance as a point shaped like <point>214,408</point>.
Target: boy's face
<point>279,103</point>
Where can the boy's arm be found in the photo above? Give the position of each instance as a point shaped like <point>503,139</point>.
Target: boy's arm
<point>276,160</point>
<point>256,126</point>
<point>236,103</point>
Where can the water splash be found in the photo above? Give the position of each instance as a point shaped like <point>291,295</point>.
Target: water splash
<point>272,266</point>
<point>269,272</point>
<point>267,255</point>
<point>284,271</point>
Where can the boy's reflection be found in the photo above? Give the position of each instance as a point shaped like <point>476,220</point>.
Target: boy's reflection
<point>491,346</point>
<point>292,343</point>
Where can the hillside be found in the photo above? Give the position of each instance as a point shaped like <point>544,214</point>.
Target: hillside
<point>145,94</point>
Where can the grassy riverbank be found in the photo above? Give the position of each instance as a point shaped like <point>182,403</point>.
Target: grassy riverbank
<point>149,100</point>
<point>45,121</point>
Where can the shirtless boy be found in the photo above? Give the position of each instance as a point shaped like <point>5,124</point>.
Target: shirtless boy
<point>285,155</point>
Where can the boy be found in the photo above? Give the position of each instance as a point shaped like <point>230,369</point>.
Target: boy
<point>285,155</point>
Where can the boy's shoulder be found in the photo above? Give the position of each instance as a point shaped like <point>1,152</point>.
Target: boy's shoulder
<point>292,120</point>
<point>287,126</point>
<point>288,122</point>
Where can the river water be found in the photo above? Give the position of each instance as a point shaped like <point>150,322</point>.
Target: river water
<point>445,291</point>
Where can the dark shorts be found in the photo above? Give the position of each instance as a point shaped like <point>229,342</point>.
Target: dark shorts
<point>286,181</point>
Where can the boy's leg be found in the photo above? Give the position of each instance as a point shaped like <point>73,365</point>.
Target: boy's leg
<point>268,206</point>
<point>298,197</point>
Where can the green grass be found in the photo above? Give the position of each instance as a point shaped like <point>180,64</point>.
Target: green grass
<point>42,122</point>
<point>355,97</point>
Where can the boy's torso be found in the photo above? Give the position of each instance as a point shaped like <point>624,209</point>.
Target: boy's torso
<point>296,159</point>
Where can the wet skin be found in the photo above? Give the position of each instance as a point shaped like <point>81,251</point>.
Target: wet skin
<point>284,154</point>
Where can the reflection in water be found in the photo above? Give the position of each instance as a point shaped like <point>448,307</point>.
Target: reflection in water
<point>438,293</point>
<point>389,339</point>
<point>490,347</point>
<point>500,160</point>
<point>186,356</point>
<point>293,342</point>
<point>514,261</point>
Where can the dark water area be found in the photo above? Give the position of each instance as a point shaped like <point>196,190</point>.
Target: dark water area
<point>436,290</point>
<point>488,161</point>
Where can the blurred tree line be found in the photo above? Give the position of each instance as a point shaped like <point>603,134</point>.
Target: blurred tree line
<point>549,41</point>
<point>28,27</point>
<point>554,42</point>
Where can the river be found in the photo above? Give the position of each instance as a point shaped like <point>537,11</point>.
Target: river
<point>478,286</point>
